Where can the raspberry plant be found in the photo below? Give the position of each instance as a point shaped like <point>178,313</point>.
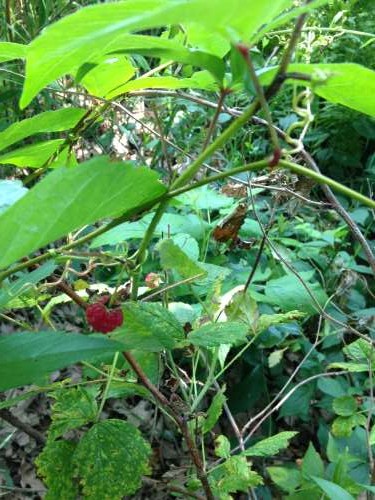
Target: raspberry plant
<point>115,212</point>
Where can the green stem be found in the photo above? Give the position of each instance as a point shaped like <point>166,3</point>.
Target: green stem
<point>294,167</point>
<point>192,170</point>
<point>209,381</point>
<point>107,386</point>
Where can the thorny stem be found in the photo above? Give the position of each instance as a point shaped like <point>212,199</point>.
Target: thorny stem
<point>194,453</point>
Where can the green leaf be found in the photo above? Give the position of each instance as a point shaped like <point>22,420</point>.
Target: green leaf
<point>350,367</point>
<point>172,257</point>
<point>27,357</point>
<point>72,408</point>
<point>10,51</point>
<point>92,31</point>
<point>312,464</point>
<point>214,412</point>
<point>169,49</point>
<point>344,405</point>
<point>372,436</point>
<point>215,334</point>
<point>199,80</point>
<point>343,426</point>
<point>289,294</point>
<point>35,155</point>
<point>359,350</point>
<point>49,121</point>
<point>236,475</point>
<point>10,192</point>
<point>222,447</point>
<point>287,479</point>
<point>111,459</point>
<point>169,224</point>
<point>12,290</point>
<point>205,198</point>
<point>148,327</point>
<point>55,466</point>
<point>270,446</point>
<point>349,84</point>
<point>69,198</point>
<point>332,490</point>
<point>106,78</point>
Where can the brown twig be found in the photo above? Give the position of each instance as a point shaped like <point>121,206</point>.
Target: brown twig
<point>180,421</point>
<point>64,287</point>
<point>22,426</point>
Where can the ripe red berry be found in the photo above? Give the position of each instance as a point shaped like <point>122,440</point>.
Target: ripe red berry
<point>103,320</point>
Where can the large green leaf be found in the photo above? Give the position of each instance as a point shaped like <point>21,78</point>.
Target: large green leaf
<point>106,78</point>
<point>215,334</point>
<point>349,84</point>
<point>332,490</point>
<point>289,294</point>
<point>111,459</point>
<point>49,121</point>
<point>169,224</point>
<point>9,51</point>
<point>33,156</point>
<point>56,467</point>
<point>172,257</point>
<point>148,327</point>
<point>69,198</point>
<point>95,30</point>
<point>26,357</point>
<point>169,49</point>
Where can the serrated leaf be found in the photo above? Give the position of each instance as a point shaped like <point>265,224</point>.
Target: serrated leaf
<point>222,447</point>
<point>270,446</point>
<point>214,412</point>
<point>359,350</point>
<point>10,51</point>
<point>267,320</point>
<point>148,327</point>
<point>205,198</point>
<point>215,334</point>
<point>49,121</point>
<point>55,466</point>
<point>332,490</point>
<point>344,406</point>
<point>69,198</point>
<point>111,459</point>
<point>72,408</point>
<point>349,84</point>
<point>27,357</point>
<point>172,257</point>
<point>236,476</point>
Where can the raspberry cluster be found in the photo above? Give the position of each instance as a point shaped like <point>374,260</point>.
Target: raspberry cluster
<point>102,319</point>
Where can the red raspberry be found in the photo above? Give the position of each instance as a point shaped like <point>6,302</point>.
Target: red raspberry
<point>103,320</point>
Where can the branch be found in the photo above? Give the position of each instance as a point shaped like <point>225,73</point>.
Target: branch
<point>180,421</point>
<point>16,422</point>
